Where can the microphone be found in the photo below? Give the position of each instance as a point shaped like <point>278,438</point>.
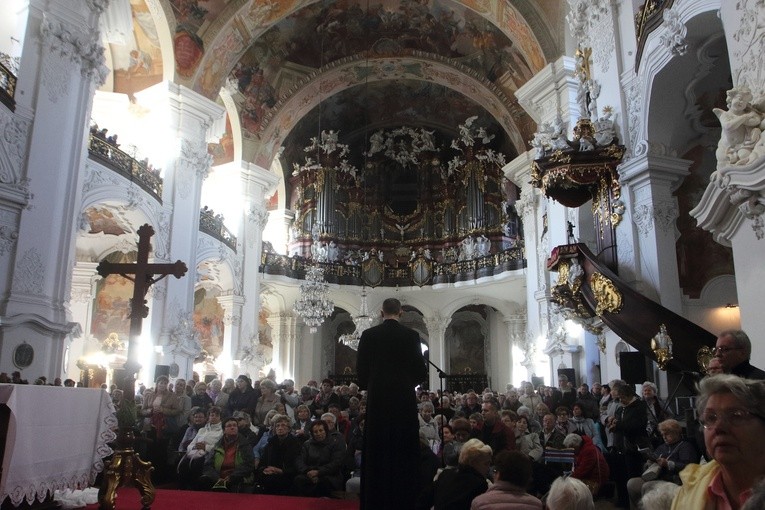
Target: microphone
<point>695,375</point>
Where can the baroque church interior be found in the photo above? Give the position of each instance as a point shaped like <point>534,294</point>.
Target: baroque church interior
<point>308,159</point>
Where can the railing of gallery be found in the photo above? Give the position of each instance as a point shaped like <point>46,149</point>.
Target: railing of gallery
<point>212,224</point>
<point>648,18</point>
<point>138,172</point>
<point>417,272</point>
<point>9,68</point>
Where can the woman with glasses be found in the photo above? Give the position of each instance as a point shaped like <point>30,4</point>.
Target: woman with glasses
<point>732,412</point>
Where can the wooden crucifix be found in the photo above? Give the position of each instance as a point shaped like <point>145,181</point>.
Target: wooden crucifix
<point>144,276</point>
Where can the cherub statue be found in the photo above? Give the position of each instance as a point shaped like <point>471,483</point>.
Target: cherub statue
<point>741,128</point>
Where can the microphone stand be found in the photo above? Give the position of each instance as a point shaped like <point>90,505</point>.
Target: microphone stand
<point>441,377</point>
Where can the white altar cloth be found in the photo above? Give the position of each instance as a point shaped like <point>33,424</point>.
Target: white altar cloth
<point>57,439</point>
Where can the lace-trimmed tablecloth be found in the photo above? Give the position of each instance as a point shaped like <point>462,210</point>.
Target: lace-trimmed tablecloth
<point>57,439</point>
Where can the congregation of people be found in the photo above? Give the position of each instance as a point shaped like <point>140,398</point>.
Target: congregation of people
<point>562,445</point>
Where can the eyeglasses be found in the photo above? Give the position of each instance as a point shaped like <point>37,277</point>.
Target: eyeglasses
<point>734,417</point>
<point>723,350</point>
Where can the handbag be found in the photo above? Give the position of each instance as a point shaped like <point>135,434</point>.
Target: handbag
<point>651,473</point>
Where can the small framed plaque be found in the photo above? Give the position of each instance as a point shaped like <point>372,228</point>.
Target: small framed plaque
<point>23,355</point>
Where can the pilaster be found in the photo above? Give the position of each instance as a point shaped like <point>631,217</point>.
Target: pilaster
<point>436,352</point>
<point>257,183</point>
<point>650,181</point>
<point>62,63</point>
<point>232,321</point>
<point>185,121</point>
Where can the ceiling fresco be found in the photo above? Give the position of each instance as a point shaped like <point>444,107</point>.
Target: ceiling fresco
<point>364,64</point>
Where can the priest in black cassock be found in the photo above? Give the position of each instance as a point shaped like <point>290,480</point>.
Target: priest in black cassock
<point>390,365</point>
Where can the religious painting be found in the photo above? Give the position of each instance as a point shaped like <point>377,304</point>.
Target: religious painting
<point>208,320</point>
<point>137,58</point>
<point>465,341</point>
<point>192,14</point>
<point>103,221</point>
<point>111,305</point>
<point>223,151</point>
<point>188,52</point>
<point>328,31</point>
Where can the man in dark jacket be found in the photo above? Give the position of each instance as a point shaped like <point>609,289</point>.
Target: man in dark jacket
<point>733,349</point>
<point>495,433</point>
<point>390,365</point>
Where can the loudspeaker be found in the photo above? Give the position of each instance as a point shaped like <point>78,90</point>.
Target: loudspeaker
<point>161,370</point>
<point>632,365</point>
<point>537,381</point>
<point>210,378</point>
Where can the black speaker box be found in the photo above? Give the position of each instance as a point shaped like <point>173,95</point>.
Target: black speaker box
<point>161,370</point>
<point>570,373</point>
<point>633,367</point>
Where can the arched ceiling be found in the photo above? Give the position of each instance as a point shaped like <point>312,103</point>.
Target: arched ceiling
<point>291,67</point>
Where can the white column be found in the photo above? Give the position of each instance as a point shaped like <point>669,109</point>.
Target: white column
<point>43,143</point>
<point>649,182</point>
<point>436,349</point>
<point>182,119</point>
<point>232,320</point>
<point>84,279</point>
<point>257,183</point>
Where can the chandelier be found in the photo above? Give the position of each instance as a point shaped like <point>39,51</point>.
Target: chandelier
<point>314,304</point>
<point>362,321</point>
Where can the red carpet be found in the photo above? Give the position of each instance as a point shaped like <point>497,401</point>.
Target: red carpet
<point>128,499</point>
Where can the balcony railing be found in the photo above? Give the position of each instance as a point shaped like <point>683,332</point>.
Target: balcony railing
<point>212,224</point>
<point>648,18</point>
<point>9,68</point>
<point>124,164</point>
<point>404,275</point>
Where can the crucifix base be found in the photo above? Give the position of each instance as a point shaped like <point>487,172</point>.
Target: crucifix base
<point>126,467</point>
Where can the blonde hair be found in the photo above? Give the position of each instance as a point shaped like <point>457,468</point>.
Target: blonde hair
<point>474,450</point>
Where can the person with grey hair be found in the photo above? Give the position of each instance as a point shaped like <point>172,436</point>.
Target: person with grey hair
<point>629,428</point>
<point>731,410</point>
<point>267,401</point>
<point>567,493</point>
<point>590,465</point>
<point>757,500</point>
<point>428,425</point>
<point>659,497</point>
<point>216,393</point>
<point>733,349</point>
<point>665,463</point>
<point>455,489</point>
<point>657,412</point>
<point>278,462</point>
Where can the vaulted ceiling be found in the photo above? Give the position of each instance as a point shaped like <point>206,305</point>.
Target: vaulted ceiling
<point>287,69</point>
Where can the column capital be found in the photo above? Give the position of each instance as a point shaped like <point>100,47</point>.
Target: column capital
<point>654,166</point>
<point>551,91</point>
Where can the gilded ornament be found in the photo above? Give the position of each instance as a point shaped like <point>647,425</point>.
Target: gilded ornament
<point>703,357</point>
<point>607,296</point>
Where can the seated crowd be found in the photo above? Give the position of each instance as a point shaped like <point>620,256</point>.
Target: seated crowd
<point>479,450</point>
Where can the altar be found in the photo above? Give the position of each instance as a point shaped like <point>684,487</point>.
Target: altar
<point>53,438</point>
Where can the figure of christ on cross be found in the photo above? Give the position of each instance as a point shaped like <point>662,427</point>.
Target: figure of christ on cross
<point>144,277</point>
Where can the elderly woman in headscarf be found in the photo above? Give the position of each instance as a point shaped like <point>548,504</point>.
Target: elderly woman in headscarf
<point>732,412</point>
<point>320,464</point>
<point>244,397</point>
